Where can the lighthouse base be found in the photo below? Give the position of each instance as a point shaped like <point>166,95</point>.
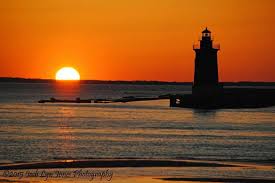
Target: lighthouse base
<point>228,98</point>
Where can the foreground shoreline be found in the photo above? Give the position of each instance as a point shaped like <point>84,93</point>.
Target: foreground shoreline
<point>114,163</point>
<point>144,170</point>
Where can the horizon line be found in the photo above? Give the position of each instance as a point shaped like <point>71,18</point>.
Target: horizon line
<point>148,81</point>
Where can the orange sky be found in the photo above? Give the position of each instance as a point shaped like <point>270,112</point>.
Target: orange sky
<point>135,40</point>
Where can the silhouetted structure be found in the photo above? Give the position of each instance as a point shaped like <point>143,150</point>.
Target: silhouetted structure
<point>207,92</point>
<point>206,78</point>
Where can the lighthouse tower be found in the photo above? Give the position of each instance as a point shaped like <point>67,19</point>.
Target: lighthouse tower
<point>206,78</point>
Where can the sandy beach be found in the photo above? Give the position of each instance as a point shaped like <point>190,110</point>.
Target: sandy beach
<point>137,170</point>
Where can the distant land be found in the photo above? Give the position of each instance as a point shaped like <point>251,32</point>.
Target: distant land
<point>138,82</point>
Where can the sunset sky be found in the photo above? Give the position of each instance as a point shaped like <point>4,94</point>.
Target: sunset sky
<point>135,39</point>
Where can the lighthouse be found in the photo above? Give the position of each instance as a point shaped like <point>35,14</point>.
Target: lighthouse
<point>206,77</point>
<point>208,93</point>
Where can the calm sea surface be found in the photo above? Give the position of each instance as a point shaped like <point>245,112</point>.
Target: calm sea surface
<point>30,131</point>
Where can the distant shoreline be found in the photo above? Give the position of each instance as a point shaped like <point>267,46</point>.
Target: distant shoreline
<point>137,82</point>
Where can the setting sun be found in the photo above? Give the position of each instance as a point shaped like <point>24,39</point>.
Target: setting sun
<point>67,73</point>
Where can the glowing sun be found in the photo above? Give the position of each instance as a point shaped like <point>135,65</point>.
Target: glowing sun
<point>67,73</point>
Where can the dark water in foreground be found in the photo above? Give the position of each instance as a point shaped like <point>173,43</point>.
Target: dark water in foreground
<point>34,132</point>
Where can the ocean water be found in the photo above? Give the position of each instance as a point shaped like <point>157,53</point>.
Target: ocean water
<point>30,131</point>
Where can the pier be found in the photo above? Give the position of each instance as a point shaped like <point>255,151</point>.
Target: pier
<point>122,100</point>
